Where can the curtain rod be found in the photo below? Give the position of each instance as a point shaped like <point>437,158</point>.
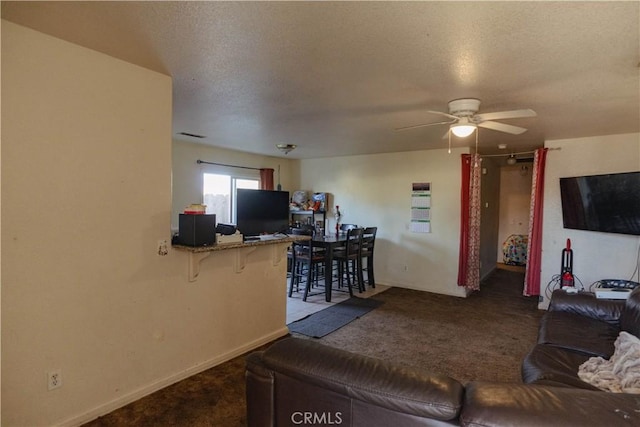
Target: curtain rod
<point>515,154</point>
<point>229,166</point>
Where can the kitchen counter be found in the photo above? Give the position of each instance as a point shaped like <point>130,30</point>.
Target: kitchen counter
<point>242,250</point>
<point>235,245</point>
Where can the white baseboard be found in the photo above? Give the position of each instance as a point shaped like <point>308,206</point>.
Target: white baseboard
<point>172,379</point>
<point>458,291</point>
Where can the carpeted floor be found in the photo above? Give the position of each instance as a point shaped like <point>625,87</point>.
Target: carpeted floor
<point>482,337</point>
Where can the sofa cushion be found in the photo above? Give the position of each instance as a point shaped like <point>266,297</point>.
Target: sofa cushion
<point>369,380</point>
<point>630,317</point>
<point>586,304</point>
<point>578,333</point>
<point>496,404</point>
<point>556,366</point>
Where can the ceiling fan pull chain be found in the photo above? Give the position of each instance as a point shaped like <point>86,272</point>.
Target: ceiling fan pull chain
<point>477,155</point>
<point>477,141</point>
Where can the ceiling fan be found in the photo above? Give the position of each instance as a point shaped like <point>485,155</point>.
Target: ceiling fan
<point>463,118</point>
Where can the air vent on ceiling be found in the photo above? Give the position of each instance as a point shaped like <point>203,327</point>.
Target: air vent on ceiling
<point>192,135</point>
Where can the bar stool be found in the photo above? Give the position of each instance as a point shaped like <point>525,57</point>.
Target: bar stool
<point>368,243</point>
<point>350,260</point>
<point>305,262</point>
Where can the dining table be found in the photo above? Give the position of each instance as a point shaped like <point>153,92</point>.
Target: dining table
<point>329,243</point>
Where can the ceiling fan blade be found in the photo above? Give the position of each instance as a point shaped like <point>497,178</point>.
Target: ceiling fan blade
<point>502,127</point>
<point>501,115</point>
<point>425,125</point>
<point>451,116</point>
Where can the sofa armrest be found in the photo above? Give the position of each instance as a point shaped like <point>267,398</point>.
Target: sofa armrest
<point>495,404</point>
<point>586,304</point>
<point>372,381</point>
<point>259,392</point>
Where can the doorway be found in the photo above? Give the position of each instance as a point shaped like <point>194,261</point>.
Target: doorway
<point>513,216</point>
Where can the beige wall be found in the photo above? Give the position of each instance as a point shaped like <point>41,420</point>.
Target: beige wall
<point>86,194</point>
<point>595,255</point>
<point>375,190</point>
<point>187,174</point>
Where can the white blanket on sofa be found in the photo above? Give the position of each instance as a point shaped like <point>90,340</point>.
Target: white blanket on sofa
<point>621,373</point>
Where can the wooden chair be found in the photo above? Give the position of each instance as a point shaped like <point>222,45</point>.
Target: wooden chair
<point>298,231</point>
<point>305,261</point>
<point>368,244</point>
<point>350,260</point>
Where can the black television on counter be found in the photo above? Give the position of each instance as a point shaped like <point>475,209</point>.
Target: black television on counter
<point>262,211</point>
<point>608,203</point>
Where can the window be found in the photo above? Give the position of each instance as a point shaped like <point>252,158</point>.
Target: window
<point>217,194</point>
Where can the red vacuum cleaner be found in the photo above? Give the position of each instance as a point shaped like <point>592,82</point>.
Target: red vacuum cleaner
<point>566,269</point>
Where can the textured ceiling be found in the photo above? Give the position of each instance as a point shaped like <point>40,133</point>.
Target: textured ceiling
<point>336,78</point>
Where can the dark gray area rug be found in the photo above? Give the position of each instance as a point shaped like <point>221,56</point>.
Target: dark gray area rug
<point>322,323</point>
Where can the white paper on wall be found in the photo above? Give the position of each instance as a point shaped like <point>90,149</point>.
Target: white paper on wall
<point>420,227</point>
<point>421,207</point>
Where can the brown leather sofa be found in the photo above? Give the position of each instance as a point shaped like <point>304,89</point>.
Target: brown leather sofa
<point>299,382</point>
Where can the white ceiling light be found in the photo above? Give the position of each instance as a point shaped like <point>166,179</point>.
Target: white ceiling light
<point>286,148</point>
<point>463,128</point>
<point>511,160</point>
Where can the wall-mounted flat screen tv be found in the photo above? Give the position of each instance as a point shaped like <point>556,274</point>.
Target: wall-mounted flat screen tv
<point>262,211</point>
<point>607,203</point>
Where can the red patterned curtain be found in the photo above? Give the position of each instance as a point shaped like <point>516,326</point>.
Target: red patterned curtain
<point>534,246</point>
<point>266,179</point>
<point>469,256</point>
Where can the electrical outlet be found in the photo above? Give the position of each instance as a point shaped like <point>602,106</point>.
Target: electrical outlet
<point>163,247</point>
<point>54,379</point>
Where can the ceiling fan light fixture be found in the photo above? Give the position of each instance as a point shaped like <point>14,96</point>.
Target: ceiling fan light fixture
<point>462,130</point>
<point>512,160</point>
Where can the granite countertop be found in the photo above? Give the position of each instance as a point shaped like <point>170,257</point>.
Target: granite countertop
<point>235,245</point>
